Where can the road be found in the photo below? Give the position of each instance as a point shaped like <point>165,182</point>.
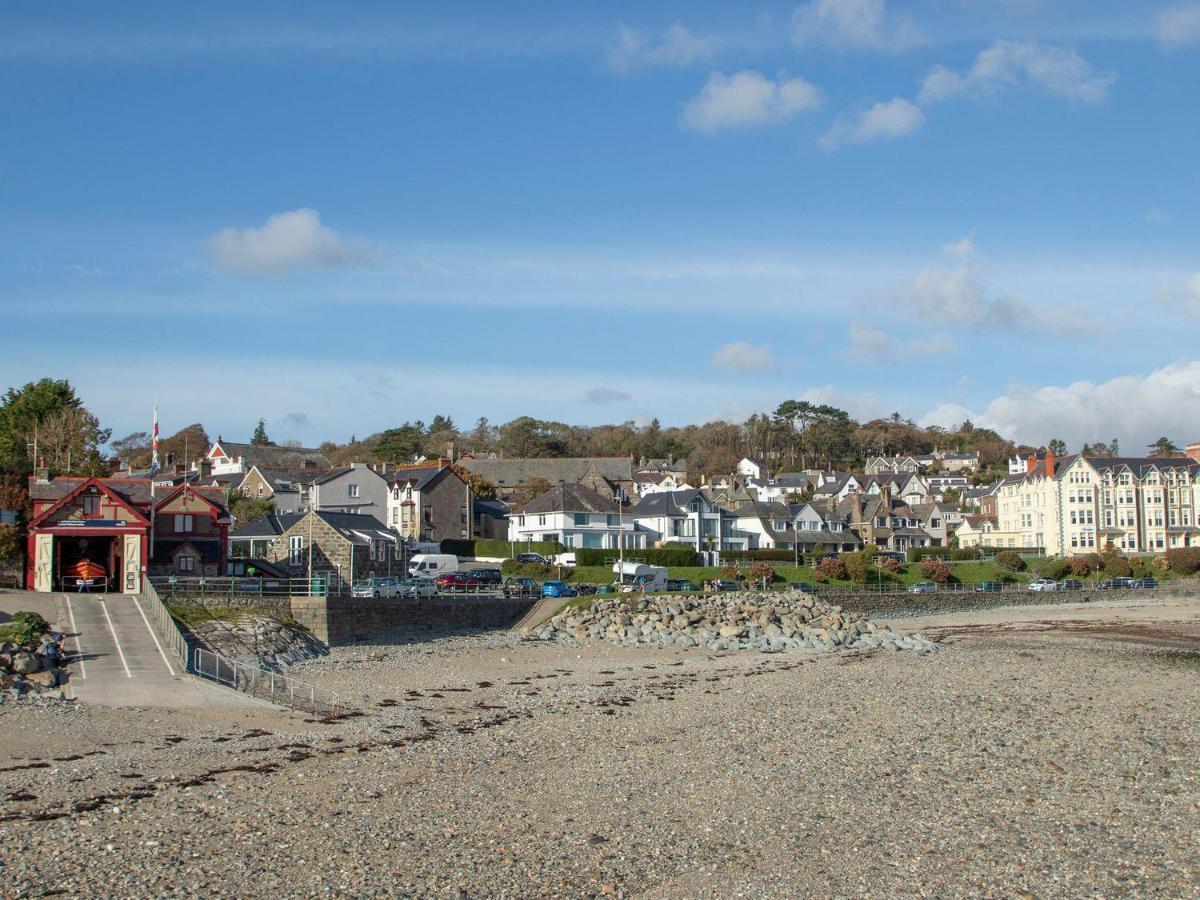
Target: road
<point>118,658</point>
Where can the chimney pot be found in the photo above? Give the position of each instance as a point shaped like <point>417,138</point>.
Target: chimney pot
<point>1193,451</point>
<point>1049,463</point>
<point>1030,464</point>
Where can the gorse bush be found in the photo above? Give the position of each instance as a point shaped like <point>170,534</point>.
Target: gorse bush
<point>831,568</point>
<point>935,570</point>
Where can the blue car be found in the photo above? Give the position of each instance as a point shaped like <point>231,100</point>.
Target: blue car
<point>558,589</point>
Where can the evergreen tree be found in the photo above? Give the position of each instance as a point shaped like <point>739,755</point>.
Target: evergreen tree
<point>259,438</point>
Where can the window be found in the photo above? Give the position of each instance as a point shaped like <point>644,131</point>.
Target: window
<point>187,563</point>
<point>611,520</point>
<point>353,490</point>
<point>184,524</point>
<point>541,520</point>
<point>580,518</point>
<point>91,505</point>
<point>395,515</point>
<point>296,550</point>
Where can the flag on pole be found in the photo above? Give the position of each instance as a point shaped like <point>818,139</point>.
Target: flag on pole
<point>154,445</point>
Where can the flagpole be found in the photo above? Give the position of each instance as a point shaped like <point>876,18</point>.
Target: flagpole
<point>153,475</point>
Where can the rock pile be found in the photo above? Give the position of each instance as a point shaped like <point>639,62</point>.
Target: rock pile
<point>27,675</point>
<point>259,641</point>
<point>767,623</point>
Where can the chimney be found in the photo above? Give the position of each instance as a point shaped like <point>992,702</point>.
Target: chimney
<point>1030,464</point>
<point>42,472</point>
<point>450,450</point>
<point>1193,451</point>
<point>1049,463</point>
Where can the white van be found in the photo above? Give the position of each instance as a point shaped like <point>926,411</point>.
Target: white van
<point>640,577</point>
<point>431,565</point>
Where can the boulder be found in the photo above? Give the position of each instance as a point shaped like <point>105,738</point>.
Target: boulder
<point>24,663</point>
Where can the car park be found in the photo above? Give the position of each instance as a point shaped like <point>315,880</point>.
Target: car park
<point>486,576</point>
<point>728,586</point>
<point>557,589</point>
<point>1144,584</point>
<point>1043,585</point>
<point>1070,584</point>
<point>1116,584</point>
<point>923,587</point>
<point>802,586</point>
<point>989,587</point>
<point>457,581</point>
<point>417,588</point>
<point>378,586</point>
<point>536,558</point>
<point>681,585</point>
<point>521,587</point>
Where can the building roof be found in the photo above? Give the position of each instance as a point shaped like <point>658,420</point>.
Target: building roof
<point>267,527</point>
<point>416,477</point>
<point>496,509</point>
<point>673,503</point>
<point>356,527</point>
<point>509,473</point>
<point>134,491</point>
<point>284,479</point>
<point>571,498</point>
<point>273,456</point>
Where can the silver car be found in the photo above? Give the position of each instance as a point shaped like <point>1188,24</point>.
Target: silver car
<point>415,588</point>
<point>379,586</point>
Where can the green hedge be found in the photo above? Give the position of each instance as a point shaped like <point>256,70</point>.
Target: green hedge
<point>764,555</point>
<point>958,554</point>
<point>499,549</point>
<point>654,556</point>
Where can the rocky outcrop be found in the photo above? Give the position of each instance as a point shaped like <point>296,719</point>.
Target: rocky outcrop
<point>766,623</point>
<point>27,675</point>
<point>259,640</point>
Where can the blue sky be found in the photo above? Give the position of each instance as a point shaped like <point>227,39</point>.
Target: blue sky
<point>342,218</point>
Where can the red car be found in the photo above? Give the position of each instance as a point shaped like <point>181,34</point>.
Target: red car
<point>457,580</point>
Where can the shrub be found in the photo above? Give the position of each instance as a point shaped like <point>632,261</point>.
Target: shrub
<point>1117,566</point>
<point>25,628</point>
<point>654,556</point>
<point>1162,564</point>
<point>1079,566</point>
<point>935,570</point>
<point>769,555</point>
<point>728,572</point>
<point>857,566</point>
<point>1055,569</point>
<point>892,565</point>
<point>1142,567</point>
<point>499,549</point>
<point>529,570</point>
<point>1184,560</point>
<point>761,570</point>
<point>10,544</point>
<point>1011,559</point>
<point>831,568</point>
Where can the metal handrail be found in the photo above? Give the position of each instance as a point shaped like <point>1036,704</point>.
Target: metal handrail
<point>281,690</point>
<point>240,586</point>
<point>167,625</point>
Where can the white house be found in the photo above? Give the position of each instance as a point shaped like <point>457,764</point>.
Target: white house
<point>767,525</point>
<point>688,517</point>
<point>748,468</point>
<point>577,517</point>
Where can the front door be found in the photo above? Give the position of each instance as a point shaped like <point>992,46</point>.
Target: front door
<point>133,564</point>
<point>43,563</point>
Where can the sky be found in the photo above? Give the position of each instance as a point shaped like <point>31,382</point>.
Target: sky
<point>339,217</point>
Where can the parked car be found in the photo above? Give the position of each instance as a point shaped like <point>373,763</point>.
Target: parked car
<point>558,589</point>
<point>378,586</point>
<point>681,585</point>
<point>457,581</point>
<point>989,587</point>
<point>532,558</point>
<point>415,588</point>
<point>521,587</point>
<point>1070,584</point>
<point>728,586</point>
<point>923,587</point>
<point>1144,584</point>
<point>486,576</point>
<point>1043,585</point>
<point>802,586</point>
<point>1116,584</point>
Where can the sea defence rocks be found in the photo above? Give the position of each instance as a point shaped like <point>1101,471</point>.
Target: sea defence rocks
<point>260,641</point>
<point>28,675</point>
<point>768,623</point>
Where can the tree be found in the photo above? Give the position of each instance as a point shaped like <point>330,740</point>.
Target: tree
<point>259,438</point>
<point>1057,447</point>
<point>69,439</point>
<point>246,510</point>
<point>534,487</point>
<point>1164,447</point>
<point>24,413</point>
<point>401,444</point>
<point>10,544</point>
<point>134,449</point>
<point>481,488</point>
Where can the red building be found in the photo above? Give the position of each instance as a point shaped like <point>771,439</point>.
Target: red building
<point>114,531</point>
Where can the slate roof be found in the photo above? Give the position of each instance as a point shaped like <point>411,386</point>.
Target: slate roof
<point>509,473</point>
<point>285,479</point>
<point>135,491</point>
<point>671,503</point>
<point>274,457</point>
<point>418,477</point>
<point>571,498</point>
<point>266,527</point>
<point>355,527</point>
<point>496,509</point>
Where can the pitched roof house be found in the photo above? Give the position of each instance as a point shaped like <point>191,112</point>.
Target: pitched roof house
<point>577,517</point>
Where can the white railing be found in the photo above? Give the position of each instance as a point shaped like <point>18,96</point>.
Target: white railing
<point>266,685</point>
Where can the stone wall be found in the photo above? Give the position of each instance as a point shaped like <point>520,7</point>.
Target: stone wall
<point>901,605</point>
<point>357,620</point>
<point>279,607</point>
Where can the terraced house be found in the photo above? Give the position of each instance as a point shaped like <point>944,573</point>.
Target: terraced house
<point>1082,504</point>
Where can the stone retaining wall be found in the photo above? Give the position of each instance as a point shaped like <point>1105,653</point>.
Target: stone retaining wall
<point>279,607</point>
<point>356,620</point>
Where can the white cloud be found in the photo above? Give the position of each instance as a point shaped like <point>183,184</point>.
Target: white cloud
<point>957,298</point>
<point>748,98</point>
<point>963,248</point>
<point>741,356</point>
<point>678,47</point>
<point>853,23</point>
<point>606,395</point>
<point>886,120</point>
<point>287,241</point>
<point>870,344</point>
<point>1179,25</point>
<point>1058,71</point>
<point>1135,408</point>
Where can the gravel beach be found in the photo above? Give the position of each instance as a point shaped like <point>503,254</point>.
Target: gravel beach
<point>1041,752</point>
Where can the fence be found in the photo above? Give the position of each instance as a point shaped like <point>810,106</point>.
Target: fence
<point>165,622</point>
<point>265,685</point>
<point>244,586</point>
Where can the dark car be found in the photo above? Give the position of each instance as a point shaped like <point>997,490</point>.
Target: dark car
<point>521,587</point>
<point>989,587</point>
<point>681,585</point>
<point>531,558</point>
<point>456,581</point>
<point>728,586</point>
<point>1116,584</point>
<point>486,576</point>
<point>802,586</point>
<point>1144,584</point>
<point>1070,584</point>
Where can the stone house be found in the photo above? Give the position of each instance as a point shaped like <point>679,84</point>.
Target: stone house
<point>356,488</point>
<point>344,547</point>
<point>428,503</point>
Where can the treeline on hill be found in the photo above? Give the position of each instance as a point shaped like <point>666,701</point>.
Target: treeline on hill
<point>797,435</point>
